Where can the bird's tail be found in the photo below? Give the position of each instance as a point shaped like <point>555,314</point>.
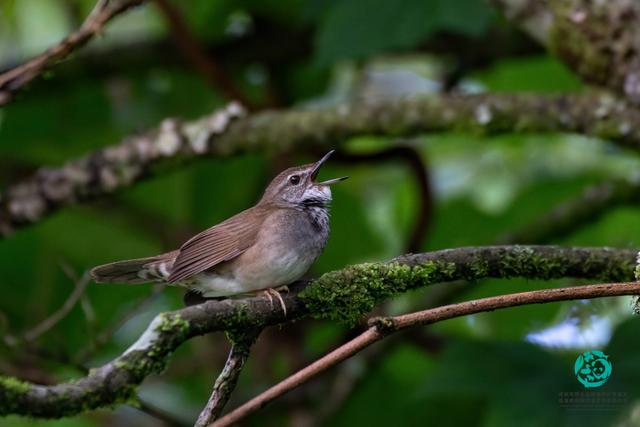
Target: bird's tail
<point>135,271</point>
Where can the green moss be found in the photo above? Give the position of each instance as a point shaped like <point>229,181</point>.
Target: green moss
<point>172,330</point>
<point>479,268</point>
<point>608,270</point>
<point>14,385</point>
<point>12,390</point>
<point>523,261</point>
<point>240,317</point>
<point>174,324</point>
<point>546,267</point>
<point>348,294</point>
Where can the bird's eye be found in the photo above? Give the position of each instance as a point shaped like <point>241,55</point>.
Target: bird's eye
<point>294,179</point>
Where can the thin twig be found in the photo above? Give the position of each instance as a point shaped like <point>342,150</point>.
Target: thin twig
<point>14,79</point>
<point>384,326</point>
<point>104,336</point>
<point>152,410</point>
<point>48,323</point>
<point>228,378</point>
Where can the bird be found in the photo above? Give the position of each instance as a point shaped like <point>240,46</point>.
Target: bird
<point>259,250</point>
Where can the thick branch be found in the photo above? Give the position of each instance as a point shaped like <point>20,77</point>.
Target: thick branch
<point>382,327</point>
<point>600,41</point>
<point>118,166</point>
<point>344,295</point>
<point>13,80</point>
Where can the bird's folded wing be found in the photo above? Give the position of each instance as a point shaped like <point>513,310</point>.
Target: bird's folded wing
<point>219,243</point>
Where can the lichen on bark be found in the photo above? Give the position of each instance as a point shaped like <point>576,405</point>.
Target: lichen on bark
<point>348,294</point>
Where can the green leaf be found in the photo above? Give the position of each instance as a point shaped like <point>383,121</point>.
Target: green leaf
<point>538,73</point>
<point>354,29</point>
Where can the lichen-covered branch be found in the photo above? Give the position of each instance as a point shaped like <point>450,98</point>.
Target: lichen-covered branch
<point>599,40</point>
<point>224,133</point>
<point>533,16</point>
<point>345,295</point>
<point>14,79</point>
<point>241,343</point>
<point>382,327</point>
<point>109,169</point>
<point>573,214</point>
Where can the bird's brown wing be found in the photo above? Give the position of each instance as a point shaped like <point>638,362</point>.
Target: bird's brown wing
<point>219,243</point>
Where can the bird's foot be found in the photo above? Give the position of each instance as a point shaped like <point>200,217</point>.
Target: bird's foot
<point>270,293</point>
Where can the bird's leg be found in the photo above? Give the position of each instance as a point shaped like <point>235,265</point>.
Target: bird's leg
<point>283,288</point>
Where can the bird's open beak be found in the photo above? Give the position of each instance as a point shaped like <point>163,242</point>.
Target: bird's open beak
<point>316,168</point>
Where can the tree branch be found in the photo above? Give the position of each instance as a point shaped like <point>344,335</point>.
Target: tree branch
<point>226,381</point>
<point>13,80</point>
<point>345,295</point>
<point>600,41</point>
<point>111,168</point>
<point>382,327</point>
<point>79,287</point>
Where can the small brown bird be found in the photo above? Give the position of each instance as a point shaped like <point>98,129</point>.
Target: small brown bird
<point>267,246</point>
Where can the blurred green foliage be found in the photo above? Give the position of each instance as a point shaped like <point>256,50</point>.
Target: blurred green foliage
<point>485,374</point>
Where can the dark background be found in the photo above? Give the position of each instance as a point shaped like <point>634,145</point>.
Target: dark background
<point>494,369</point>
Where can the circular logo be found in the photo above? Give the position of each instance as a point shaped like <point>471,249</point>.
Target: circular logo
<point>592,368</point>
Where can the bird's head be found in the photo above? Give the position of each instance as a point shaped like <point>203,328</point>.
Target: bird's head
<point>297,186</point>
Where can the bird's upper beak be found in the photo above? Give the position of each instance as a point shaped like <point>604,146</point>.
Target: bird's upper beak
<point>316,168</point>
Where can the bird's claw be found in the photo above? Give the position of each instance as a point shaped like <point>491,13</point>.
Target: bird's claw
<point>270,293</point>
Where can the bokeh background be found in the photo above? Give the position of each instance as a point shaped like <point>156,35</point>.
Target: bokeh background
<point>493,369</point>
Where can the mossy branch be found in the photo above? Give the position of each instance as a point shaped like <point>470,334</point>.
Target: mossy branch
<point>599,41</point>
<point>343,295</point>
<point>227,131</point>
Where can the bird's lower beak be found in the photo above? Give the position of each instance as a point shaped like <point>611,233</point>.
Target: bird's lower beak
<point>316,168</point>
<point>332,181</point>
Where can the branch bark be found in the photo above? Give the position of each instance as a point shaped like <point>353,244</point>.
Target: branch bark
<point>226,381</point>
<point>15,79</point>
<point>382,327</point>
<point>345,295</point>
<point>599,41</point>
<point>224,133</point>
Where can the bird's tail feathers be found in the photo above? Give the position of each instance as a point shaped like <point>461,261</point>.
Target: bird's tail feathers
<point>134,271</point>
